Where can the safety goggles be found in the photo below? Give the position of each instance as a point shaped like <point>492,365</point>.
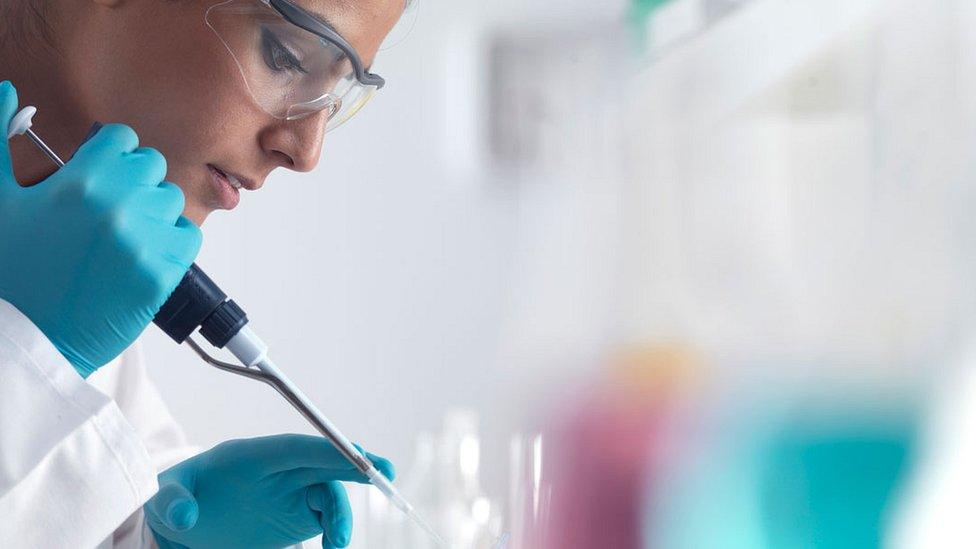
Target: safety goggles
<point>294,64</point>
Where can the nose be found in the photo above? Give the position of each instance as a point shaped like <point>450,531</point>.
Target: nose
<point>295,144</point>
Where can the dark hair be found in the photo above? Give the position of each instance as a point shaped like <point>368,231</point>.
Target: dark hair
<point>27,23</point>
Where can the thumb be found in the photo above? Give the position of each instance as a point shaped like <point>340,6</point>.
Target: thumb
<point>174,507</point>
<point>331,503</point>
<point>8,108</point>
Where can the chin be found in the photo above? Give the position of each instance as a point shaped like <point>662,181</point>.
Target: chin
<point>197,213</point>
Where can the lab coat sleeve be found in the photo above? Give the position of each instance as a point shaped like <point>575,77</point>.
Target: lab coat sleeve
<point>127,382</point>
<point>72,468</point>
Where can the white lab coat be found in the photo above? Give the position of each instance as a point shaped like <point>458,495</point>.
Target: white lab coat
<point>77,458</point>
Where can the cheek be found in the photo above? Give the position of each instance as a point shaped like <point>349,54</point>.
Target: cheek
<point>190,102</point>
<point>163,70</point>
<point>185,79</point>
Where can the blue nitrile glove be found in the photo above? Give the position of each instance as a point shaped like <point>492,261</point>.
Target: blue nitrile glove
<point>90,254</point>
<point>272,491</point>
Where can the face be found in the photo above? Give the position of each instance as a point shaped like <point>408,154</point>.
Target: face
<point>156,66</point>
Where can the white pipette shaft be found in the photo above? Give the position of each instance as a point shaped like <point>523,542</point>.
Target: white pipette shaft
<point>252,352</point>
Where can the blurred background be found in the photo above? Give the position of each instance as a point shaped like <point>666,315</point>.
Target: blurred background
<point>633,273</point>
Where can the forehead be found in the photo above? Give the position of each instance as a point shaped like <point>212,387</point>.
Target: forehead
<point>364,23</point>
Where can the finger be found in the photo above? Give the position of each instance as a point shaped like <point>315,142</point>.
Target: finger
<point>307,476</point>
<point>173,247</point>
<point>303,477</point>
<point>151,165</point>
<point>174,507</point>
<point>384,465</point>
<point>286,452</point>
<point>190,238</point>
<point>335,514</point>
<point>117,138</point>
<point>8,108</point>
<point>179,244</point>
<point>166,201</point>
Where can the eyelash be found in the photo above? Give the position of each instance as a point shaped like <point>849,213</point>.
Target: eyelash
<point>274,51</point>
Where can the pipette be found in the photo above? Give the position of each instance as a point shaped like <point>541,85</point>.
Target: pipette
<point>253,353</point>
<point>199,303</point>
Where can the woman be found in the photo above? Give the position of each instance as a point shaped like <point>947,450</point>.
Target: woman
<point>224,93</point>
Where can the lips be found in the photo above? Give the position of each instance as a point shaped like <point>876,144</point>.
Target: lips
<point>227,195</point>
<point>231,178</point>
<point>236,180</point>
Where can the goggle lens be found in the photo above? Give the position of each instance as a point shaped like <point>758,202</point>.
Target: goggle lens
<point>290,72</point>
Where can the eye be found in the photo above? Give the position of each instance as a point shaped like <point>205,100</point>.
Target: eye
<point>277,56</point>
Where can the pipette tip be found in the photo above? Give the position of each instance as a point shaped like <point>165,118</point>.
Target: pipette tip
<point>419,521</point>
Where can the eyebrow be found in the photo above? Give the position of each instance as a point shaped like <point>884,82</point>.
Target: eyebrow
<point>321,18</point>
<point>324,19</point>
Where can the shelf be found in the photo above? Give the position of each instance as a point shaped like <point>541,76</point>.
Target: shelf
<point>710,73</point>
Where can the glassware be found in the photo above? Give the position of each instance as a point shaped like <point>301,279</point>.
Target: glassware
<point>530,494</point>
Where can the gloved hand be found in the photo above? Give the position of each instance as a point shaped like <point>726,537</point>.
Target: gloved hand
<point>91,253</point>
<point>263,492</point>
